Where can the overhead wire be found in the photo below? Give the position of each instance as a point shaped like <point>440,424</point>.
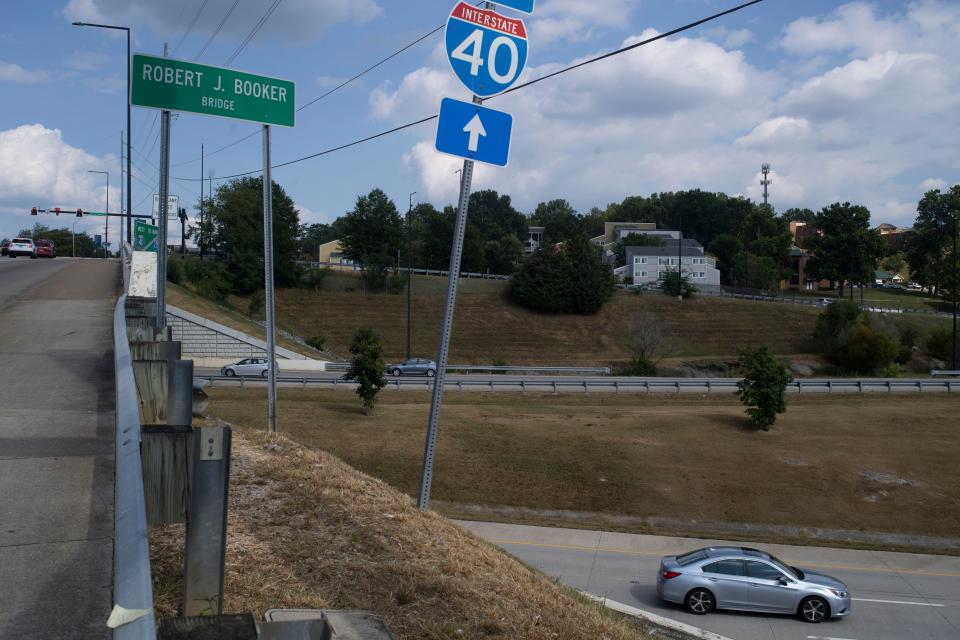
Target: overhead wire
<point>193,23</point>
<point>216,32</point>
<point>529,83</point>
<point>253,32</point>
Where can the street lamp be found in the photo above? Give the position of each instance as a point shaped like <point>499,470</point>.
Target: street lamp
<point>409,266</point>
<point>129,174</point>
<point>106,217</point>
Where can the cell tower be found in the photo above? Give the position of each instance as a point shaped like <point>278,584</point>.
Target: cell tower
<point>766,182</point>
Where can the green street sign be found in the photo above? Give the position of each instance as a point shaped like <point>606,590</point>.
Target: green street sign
<point>178,85</point>
<point>145,237</point>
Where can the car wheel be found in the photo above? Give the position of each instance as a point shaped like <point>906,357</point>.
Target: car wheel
<point>265,373</point>
<point>431,373</point>
<point>699,602</point>
<point>230,373</point>
<point>814,609</point>
<point>396,373</point>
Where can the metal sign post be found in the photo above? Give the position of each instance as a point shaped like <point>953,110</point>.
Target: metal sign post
<point>268,283</point>
<point>472,49</point>
<point>161,319</point>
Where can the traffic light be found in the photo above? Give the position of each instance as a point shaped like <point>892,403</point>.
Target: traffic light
<point>56,210</point>
<point>33,211</point>
<point>79,212</point>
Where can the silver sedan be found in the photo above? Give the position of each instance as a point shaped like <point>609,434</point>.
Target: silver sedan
<point>749,580</point>
<point>248,367</point>
<point>413,366</point>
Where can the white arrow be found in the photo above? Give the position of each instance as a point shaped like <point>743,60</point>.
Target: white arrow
<point>475,129</point>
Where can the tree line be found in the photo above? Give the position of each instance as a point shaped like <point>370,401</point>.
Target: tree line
<point>64,240</point>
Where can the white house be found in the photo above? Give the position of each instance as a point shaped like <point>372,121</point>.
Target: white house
<point>649,265</point>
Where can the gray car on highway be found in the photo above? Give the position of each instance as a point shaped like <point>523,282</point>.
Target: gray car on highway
<point>749,580</point>
<point>413,367</point>
<point>248,367</point>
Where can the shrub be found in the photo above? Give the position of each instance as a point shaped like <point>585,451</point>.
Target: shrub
<point>313,278</point>
<point>674,284</point>
<point>940,343</point>
<point>763,387</point>
<point>864,350</point>
<point>834,320</point>
<point>638,366</point>
<point>367,368</point>
<point>175,270</point>
<point>316,342</point>
<point>214,282</point>
<point>396,282</point>
<point>908,340</point>
<point>257,304</point>
<point>570,278</point>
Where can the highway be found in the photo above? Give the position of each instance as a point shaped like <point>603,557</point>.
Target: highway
<point>897,596</point>
<point>592,384</point>
<point>56,447</point>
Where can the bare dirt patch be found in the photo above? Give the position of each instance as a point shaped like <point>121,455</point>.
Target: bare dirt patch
<point>306,530</point>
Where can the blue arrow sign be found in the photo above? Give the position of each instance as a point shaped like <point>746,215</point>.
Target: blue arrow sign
<point>525,6</point>
<point>467,130</point>
<point>487,51</point>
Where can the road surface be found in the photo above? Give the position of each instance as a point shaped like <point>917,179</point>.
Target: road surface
<point>897,596</point>
<point>56,447</point>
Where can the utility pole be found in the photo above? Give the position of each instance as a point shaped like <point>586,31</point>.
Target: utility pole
<point>766,182</point>
<point>409,267</point>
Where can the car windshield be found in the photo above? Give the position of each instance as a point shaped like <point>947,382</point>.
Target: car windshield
<point>790,571</point>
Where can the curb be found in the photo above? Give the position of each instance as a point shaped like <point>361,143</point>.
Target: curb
<point>653,618</point>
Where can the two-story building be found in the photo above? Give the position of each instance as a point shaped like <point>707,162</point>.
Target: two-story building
<point>650,265</point>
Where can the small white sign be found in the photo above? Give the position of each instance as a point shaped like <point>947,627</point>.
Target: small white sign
<point>173,206</point>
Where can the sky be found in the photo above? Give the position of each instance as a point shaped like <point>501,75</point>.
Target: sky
<point>856,101</point>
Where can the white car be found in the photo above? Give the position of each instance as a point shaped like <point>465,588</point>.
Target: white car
<point>22,247</point>
<point>249,367</point>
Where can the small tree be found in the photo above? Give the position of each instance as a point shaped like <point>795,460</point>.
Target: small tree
<point>367,368</point>
<point>647,340</point>
<point>763,387</point>
<point>675,284</point>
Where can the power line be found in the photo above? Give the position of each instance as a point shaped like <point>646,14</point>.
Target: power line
<point>324,95</point>
<point>193,23</point>
<point>253,32</point>
<point>216,31</point>
<point>611,54</point>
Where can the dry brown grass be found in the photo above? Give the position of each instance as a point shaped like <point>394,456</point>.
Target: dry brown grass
<point>306,530</point>
<point>685,457</point>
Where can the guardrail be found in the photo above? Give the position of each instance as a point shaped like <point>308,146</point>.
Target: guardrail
<point>592,371</point>
<point>648,385</point>
<point>425,272</point>
<point>132,586</point>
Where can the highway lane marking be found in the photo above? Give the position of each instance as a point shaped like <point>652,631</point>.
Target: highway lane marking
<point>919,604</point>
<point>826,638</point>
<point>594,549</point>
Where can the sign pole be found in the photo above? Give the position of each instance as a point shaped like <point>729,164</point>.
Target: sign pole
<point>162,214</point>
<point>430,449</point>
<point>268,283</point>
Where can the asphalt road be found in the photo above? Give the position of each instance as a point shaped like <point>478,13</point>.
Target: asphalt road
<point>56,447</point>
<point>897,596</point>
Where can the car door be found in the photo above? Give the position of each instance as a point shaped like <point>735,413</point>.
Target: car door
<point>244,367</point>
<point>769,588</point>
<point>727,581</point>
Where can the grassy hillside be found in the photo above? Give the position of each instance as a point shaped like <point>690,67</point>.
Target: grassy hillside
<point>489,328</point>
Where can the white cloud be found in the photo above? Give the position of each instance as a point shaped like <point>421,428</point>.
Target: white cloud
<point>294,21</point>
<point>310,216</point>
<point>10,72</point>
<point>731,38</point>
<point>776,131</point>
<point>85,60</point>
<point>37,168</point>
<point>933,183</point>
<point>577,20</point>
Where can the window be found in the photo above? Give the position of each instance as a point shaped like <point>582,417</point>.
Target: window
<point>762,571</point>
<point>725,568</point>
<point>693,556</point>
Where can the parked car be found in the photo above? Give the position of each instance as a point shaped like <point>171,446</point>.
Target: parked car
<point>21,247</point>
<point>747,579</point>
<point>822,302</point>
<point>249,367</point>
<point>3,247</point>
<point>413,367</point>
<point>46,249</point>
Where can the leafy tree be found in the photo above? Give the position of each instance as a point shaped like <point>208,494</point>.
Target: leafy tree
<point>437,242</point>
<point>571,278</point>
<point>561,222</point>
<point>495,217</point>
<point>833,321</point>
<point>755,272</point>
<point>940,344</point>
<point>727,248</point>
<point>372,234</point>
<point>314,235</point>
<point>897,263</point>
<point>647,339</point>
<point>63,240</point>
<point>234,219</point>
<point>763,387</point>
<point>503,255</point>
<point>367,368</point>
<point>848,249</point>
<point>634,240</point>
<point>930,251</point>
<point>765,235</point>
<point>853,342</point>
<point>798,215</point>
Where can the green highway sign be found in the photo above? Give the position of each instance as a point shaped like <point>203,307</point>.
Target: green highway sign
<point>178,85</point>
<point>145,236</point>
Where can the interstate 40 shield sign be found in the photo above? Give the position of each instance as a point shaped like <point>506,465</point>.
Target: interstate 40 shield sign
<point>486,50</point>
